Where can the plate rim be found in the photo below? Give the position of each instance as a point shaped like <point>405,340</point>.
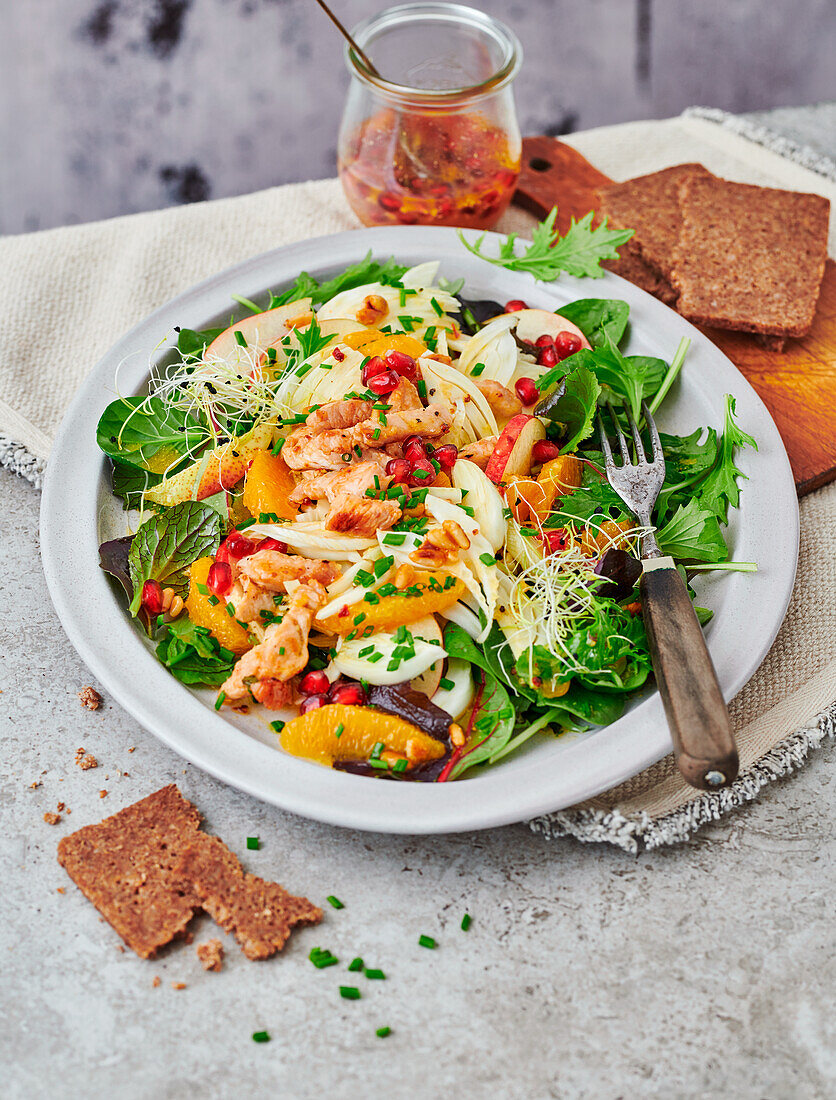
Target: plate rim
<point>61,561</point>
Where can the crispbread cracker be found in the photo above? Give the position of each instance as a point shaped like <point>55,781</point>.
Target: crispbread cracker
<point>123,865</point>
<point>149,868</point>
<point>260,914</point>
<point>749,258</point>
<point>649,204</point>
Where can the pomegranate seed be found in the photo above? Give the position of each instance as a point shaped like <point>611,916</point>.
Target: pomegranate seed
<point>544,341</point>
<point>239,546</point>
<point>338,354</point>
<point>414,448</point>
<point>373,367</point>
<point>446,456</point>
<point>566,344</point>
<point>547,357</point>
<point>272,544</point>
<point>222,554</point>
<point>314,683</point>
<point>402,364</point>
<point>526,390</point>
<point>422,467</point>
<point>383,384</point>
<point>312,702</point>
<point>389,201</point>
<point>399,470</point>
<point>556,540</point>
<point>544,451</point>
<point>152,597</point>
<point>348,693</point>
<point>514,305</point>
<point>219,578</point>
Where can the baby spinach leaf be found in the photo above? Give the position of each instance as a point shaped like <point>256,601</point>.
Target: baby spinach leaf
<point>130,482</point>
<point>166,544</point>
<point>492,728</point>
<point>192,344</point>
<point>138,430</point>
<point>573,407</point>
<point>598,318</point>
<point>193,654</point>
<point>693,534</point>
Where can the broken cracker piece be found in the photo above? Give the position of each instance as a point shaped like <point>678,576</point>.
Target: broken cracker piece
<point>52,819</point>
<point>749,258</point>
<point>211,954</point>
<point>123,865</point>
<point>85,760</point>
<point>260,914</point>
<point>90,698</point>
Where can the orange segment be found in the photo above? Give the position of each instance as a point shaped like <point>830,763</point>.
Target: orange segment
<point>213,616</point>
<point>560,476</point>
<point>400,608</point>
<point>527,499</point>
<point>314,735</point>
<point>371,342</point>
<point>268,483</point>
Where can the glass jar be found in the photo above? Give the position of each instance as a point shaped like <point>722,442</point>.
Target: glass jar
<point>434,140</point>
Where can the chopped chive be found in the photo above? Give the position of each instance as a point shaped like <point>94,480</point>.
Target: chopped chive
<point>397,538</point>
<point>382,1032</point>
<point>356,964</point>
<point>203,590</point>
<point>335,902</point>
<point>399,766</point>
<point>219,702</point>
<point>240,338</point>
<point>382,565</point>
<point>426,941</point>
<point>230,609</point>
<point>381,765</point>
<point>261,1037</point>
<point>402,297</point>
<point>448,685</point>
<point>375,975</point>
<point>277,446</point>
<point>422,475</point>
<point>421,386</point>
<point>487,559</point>
<point>277,726</point>
<point>213,600</point>
<point>377,750</point>
<point>359,618</point>
<point>350,992</point>
<point>338,732</point>
<point>477,370</point>
<point>466,919</point>
<point>375,657</point>
<point>253,843</point>
<point>434,303</point>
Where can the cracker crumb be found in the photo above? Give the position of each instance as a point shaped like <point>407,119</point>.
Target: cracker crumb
<point>178,985</point>
<point>90,698</point>
<point>60,807</point>
<point>85,760</point>
<point>60,889</point>
<point>52,819</point>
<point>132,748</point>
<point>211,954</point>
<point>156,981</point>
<point>34,786</point>
<point>102,794</point>
<point>121,948</point>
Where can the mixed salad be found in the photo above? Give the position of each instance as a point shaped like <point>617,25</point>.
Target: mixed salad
<point>374,512</point>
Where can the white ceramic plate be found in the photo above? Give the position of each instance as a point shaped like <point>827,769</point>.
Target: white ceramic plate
<point>78,512</point>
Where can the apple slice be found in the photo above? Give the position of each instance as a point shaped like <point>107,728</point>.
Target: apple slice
<point>512,453</point>
<point>221,468</point>
<point>429,630</point>
<point>533,323</point>
<point>259,330</point>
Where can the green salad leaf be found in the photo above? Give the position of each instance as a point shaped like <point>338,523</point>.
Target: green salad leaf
<point>130,482</point>
<point>578,252</point>
<point>193,654</point>
<point>166,544</point>
<point>598,318</point>
<point>192,344</point>
<point>571,407</point>
<point>148,432</point>
<point>364,271</point>
<point>630,378</point>
<point>720,488</point>
<point>693,534</point>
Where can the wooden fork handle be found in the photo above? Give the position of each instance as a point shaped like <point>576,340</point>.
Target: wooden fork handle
<point>703,740</point>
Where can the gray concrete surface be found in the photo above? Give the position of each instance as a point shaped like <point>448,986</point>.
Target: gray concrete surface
<point>704,971</point>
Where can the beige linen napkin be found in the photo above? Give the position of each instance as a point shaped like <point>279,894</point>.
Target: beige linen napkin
<point>68,294</point>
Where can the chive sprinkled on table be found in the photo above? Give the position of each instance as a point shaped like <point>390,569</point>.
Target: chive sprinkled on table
<point>350,992</point>
<point>356,964</point>
<point>261,1037</point>
<point>426,941</point>
<point>337,904</point>
<point>466,919</point>
<point>382,1032</point>
<point>253,843</point>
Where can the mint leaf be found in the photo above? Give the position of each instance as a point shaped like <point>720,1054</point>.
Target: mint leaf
<point>578,252</point>
<point>194,655</point>
<point>166,544</point>
<point>693,534</point>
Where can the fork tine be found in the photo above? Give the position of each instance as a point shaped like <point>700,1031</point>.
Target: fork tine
<point>637,439</point>
<point>605,443</point>
<point>658,454</point>
<point>622,439</point>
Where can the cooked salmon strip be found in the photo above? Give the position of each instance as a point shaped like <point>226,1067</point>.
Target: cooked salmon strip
<point>270,570</point>
<point>284,651</point>
<point>362,516</point>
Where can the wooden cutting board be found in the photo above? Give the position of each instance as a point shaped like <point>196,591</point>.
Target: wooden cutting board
<point>798,385</point>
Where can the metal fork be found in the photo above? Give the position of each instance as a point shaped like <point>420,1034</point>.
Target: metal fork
<point>703,740</point>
